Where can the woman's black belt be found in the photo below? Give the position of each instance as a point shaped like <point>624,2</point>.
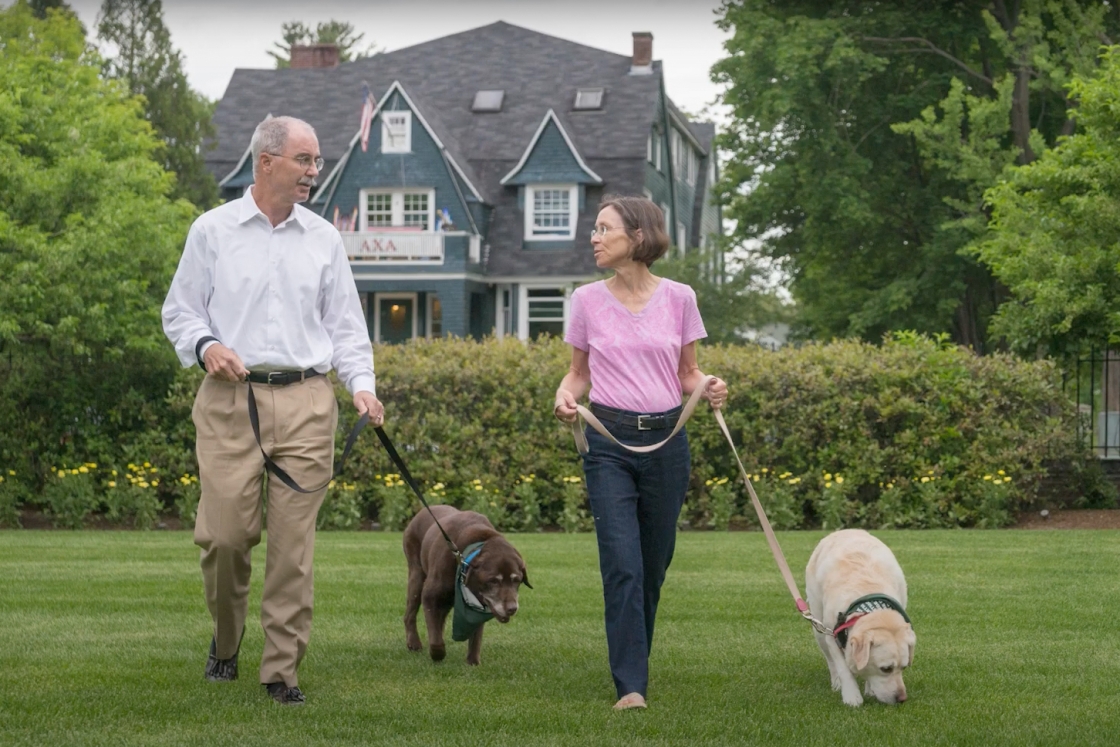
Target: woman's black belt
<point>281,378</point>
<point>652,422</point>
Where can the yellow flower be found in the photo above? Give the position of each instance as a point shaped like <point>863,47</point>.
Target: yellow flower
<point>493,504</point>
<point>764,470</point>
<point>987,477</point>
<point>74,471</point>
<point>12,472</point>
<point>723,480</point>
<point>143,484</point>
<point>707,482</point>
<point>155,483</point>
<point>83,469</point>
<point>827,476</point>
<point>478,487</point>
<point>112,484</point>
<point>828,485</point>
<point>1000,472</point>
<point>114,473</point>
<point>753,477</point>
<point>925,479</point>
<point>930,472</point>
<point>890,485</point>
<point>61,474</point>
<point>147,464</point>
<point>839,480</point>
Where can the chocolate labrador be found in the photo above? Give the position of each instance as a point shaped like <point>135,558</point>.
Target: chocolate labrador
<point>493,576</point>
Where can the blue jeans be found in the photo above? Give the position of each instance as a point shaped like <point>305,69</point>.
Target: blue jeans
<point>635,499</point>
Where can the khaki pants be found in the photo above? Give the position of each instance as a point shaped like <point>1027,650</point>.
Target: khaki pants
<point>297,430</point>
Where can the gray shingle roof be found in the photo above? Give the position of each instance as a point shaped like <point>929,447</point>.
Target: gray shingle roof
<point>537,72</point>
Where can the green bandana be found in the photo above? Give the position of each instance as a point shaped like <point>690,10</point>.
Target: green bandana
<point>470,613</point>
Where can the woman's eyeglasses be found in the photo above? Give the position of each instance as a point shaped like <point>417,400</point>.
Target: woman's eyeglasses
<point>601,231</point>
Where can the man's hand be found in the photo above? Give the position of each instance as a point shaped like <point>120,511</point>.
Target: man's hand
<point>366,402</point>
<point>222,363</point>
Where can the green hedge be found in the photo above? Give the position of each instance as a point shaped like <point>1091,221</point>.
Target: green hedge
<point>911,433</point>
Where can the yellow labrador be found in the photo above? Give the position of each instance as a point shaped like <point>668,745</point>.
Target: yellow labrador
<point>854,583</point>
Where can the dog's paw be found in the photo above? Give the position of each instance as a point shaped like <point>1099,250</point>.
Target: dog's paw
<point>853,699</point>
<point>836,683</point>
<point>474,661</point>
<point>414,645</point>
<point>438,652</point>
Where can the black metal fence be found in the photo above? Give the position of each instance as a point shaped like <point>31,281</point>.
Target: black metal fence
<point>1096,388</point>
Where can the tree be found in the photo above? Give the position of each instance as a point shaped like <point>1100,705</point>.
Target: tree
<point>147,63</point>
<point>864,135</point>
<point>1055,230</point>
<point>89,240</point>
<point>331,32</point>
<point>732,303</point>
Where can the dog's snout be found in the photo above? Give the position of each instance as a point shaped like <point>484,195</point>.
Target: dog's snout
<point>900,697</point>
<point>511,609</point>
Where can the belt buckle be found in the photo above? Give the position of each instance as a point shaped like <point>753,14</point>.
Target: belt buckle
<point>644,427</point>
<point>269,380</point>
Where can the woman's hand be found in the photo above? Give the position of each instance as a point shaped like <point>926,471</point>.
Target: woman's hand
<point>565,408</point>
<point>716,393</point>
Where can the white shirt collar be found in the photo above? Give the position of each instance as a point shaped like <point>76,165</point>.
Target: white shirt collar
<point>250,210</point>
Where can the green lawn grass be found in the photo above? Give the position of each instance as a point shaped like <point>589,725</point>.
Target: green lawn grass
<point>103,638</point>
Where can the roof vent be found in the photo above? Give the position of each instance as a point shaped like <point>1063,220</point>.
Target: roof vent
<point>589,98</point>
<point>488,101</point>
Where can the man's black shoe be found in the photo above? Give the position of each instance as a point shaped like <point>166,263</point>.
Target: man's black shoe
<point>220,670</point>
<point>285,695</point>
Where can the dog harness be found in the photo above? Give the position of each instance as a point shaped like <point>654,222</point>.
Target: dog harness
<point>470,612</point>
<point>862,606</point>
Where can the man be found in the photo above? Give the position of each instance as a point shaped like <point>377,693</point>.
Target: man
<point>264,297</point>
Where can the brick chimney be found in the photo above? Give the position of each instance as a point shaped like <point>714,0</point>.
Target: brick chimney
<point>642,62</point>
<point>314,55</point>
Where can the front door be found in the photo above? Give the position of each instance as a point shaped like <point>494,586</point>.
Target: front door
<point>396,318</point>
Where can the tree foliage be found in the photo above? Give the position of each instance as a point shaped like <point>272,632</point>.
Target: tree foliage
<point>328,32</point>
<point>1055,230</point>
<point>732,300</point>
<point>148,64</point>
<point>864,135</point>
<point>89,240</point>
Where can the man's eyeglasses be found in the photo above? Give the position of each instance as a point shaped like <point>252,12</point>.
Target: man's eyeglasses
<point>303,160</point>
<point>601,231</point>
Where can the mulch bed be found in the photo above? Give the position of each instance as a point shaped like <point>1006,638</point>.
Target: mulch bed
<point>1081,518</point>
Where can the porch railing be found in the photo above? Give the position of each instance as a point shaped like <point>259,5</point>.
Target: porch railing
<point>394,246</point>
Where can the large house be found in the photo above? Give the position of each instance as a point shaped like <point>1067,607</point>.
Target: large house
<point>470,211</point>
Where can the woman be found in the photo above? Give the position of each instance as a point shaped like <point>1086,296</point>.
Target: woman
<point>633,339</point>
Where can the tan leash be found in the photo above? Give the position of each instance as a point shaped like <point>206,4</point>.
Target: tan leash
<point>583,447</point>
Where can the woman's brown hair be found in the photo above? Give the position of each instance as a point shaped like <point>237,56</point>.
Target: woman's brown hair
<point>640,214</point>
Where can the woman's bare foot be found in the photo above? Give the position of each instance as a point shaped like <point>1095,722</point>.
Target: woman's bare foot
<point>630,700</point>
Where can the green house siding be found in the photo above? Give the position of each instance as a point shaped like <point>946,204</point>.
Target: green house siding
<point>424,167</point>
<point>551,162</point>
<point>458,299</point>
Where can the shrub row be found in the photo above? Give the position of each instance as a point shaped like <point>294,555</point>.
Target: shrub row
<point>911,433</point>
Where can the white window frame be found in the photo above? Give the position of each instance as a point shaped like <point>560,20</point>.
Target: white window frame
<point>668,220</point>
<point>658,146</point>
<point>523,305</point>
<point>431,299</point>
<point>647,194</point>
<point>682,237</point>
<point>573,212</point>
<point>379,297</point>
<point>397,207</point>
<point>406,145</point>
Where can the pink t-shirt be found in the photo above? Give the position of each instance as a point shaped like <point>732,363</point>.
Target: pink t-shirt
<point>634,358</point>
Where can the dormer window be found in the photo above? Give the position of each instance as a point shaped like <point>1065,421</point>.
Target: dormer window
<point>396,132</point>
<point>488,101</point>
<point>589,98</point>
<point>550,212</point>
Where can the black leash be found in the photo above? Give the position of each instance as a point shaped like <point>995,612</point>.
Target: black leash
<point>284,477</point>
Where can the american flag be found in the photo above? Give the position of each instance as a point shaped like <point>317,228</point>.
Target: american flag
<point>367,117</point>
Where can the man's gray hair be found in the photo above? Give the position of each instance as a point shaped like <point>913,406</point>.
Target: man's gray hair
<point>271,136</point>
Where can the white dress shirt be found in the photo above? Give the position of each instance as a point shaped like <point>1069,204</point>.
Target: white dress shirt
<point>282,298</point>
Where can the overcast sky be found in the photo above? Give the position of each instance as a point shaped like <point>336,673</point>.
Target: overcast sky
<point>217,36</point>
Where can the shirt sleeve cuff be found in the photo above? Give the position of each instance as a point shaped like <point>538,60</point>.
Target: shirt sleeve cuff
<point>362,383</point>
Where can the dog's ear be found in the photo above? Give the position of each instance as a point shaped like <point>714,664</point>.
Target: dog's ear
<point>911,639</point>
<point>525,576</point>
<point>860,646</point>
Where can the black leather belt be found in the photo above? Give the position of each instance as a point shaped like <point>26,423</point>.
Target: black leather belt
<point>654,422</point>
<point>281,378</point>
